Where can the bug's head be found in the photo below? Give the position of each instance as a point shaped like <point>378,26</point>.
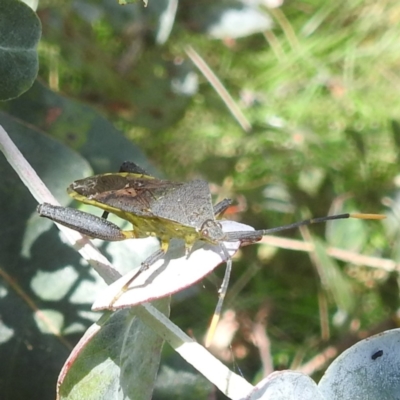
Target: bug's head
<point>211,231</point>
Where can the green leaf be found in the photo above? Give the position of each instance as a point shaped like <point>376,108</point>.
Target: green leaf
<point>20,32</point>
<point>79,127</point>
<point>122,356</point>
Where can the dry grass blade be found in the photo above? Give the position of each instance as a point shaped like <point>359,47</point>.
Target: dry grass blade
<point>219,88</point>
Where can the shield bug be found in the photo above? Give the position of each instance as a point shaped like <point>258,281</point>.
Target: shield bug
<point>164,209</point>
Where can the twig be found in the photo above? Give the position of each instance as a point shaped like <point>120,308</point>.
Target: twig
<point>339,254</point>
<point>261,340</point>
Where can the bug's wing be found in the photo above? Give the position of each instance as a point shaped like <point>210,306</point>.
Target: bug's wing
<point>124,192</point>
<point>189,204</point>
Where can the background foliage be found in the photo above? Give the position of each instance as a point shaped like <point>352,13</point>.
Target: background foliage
<point>317,81</point>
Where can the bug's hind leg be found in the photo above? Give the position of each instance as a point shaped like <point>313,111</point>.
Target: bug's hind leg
<point>85,223</point>
<point>144,266</point>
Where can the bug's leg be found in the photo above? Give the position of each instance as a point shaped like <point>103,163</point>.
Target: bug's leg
<point>222,206</point>
<point>222,293</point>
<point>146,264</point>
<point>85,223</point>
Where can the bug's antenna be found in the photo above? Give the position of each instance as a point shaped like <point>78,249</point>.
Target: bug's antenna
<point>252,235</point>
<point>222,293</point>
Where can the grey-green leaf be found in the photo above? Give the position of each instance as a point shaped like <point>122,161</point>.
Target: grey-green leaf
<point>368,370</point>
<point>120,361</point>
<point>20,31</point>
<point>286,385</point>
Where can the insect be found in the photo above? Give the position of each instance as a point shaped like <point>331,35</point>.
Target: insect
<point>377,354</point>
<point>160,208</point>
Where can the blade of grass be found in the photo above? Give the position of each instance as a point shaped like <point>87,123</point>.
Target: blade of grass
<point>219,88</point>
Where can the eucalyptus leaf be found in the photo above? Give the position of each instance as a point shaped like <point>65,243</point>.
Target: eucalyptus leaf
<point>20,31</point>
<point>119,355</point>
<point>368,370</point>
<point>286,385</point>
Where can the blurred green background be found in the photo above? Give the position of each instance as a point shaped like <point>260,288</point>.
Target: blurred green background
<point>318,131</point>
